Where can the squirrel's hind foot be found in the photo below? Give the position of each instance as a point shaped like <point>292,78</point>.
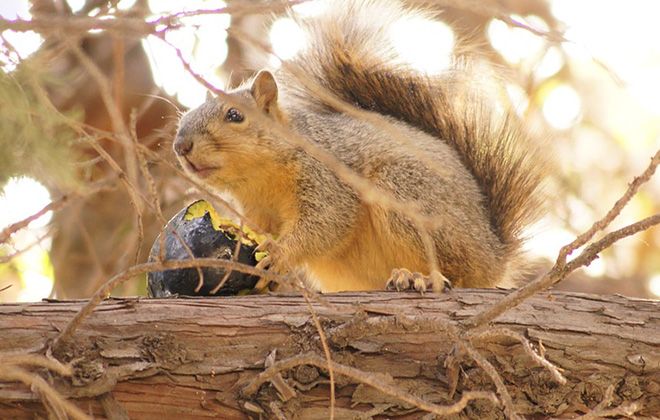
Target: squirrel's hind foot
<point>403,279</point>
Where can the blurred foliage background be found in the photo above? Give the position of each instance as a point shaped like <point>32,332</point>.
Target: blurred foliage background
<point>88,111</point>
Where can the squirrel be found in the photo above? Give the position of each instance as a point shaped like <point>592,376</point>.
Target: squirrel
<point>430,143</point>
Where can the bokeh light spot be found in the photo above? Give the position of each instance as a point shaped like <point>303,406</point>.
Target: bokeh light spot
<point>654,285</point>
<point>514,44</point>
<point>22,197</point>
<point>287,38</point>
<point>425,44</point>
<point>562,107</point>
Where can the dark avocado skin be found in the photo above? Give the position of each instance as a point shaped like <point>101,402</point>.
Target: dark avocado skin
<point>204,242</point>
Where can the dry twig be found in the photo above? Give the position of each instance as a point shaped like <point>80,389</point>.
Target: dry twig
<point>326,351</point>
<point>15,227</point>
<point>601,411</point>
<point>123,24</point>
<point>561,269</point>
<point>124,276</point>
<point>377,381</point>
<point>52,399</point>
<point>527,346</point>
<point>36,360</point>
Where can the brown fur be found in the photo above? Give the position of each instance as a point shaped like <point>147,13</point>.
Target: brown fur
<point>482,186</point>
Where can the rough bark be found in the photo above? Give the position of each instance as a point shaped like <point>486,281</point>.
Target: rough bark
<point>190,358</point>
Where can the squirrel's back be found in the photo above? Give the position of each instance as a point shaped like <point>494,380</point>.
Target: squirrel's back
<point>352,57</point>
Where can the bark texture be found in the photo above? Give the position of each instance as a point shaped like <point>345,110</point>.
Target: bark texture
<point>190,358</point>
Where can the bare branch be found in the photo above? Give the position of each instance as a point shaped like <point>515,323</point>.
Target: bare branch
<point>538,358</point>
<point>600,411</point>
<point>120,278</point>
<point>613,213</point>
<point>122,24</point>
<point>591,252</point>
<point>36,360</point>
<point>560,270</point>
<point>13,228</point>
<point>326,351</point>
<point>50,396</point>
<point>377,381</point>
<point>78,24</point>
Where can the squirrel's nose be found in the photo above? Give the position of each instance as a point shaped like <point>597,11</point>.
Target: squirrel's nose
<point>182,145</point>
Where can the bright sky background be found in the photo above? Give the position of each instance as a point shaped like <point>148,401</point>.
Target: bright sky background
<point>624,35</point>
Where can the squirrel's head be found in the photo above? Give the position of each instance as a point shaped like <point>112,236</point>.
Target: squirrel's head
<point>226,140</point>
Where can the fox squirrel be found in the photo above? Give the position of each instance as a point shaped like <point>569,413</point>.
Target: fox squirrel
<point>470,170</point>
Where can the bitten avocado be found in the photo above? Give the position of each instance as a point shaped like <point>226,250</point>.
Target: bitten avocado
<point>207,235</point>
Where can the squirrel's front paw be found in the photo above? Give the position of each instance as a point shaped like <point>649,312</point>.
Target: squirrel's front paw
<point>403,279</point>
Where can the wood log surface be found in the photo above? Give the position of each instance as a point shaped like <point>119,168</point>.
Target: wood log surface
<point>182,358</point>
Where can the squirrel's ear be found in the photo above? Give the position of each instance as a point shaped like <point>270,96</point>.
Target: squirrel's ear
<point>209,95</point>
<point>264,92</point>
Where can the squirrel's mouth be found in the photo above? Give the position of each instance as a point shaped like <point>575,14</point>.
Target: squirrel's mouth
<point>199,170</point>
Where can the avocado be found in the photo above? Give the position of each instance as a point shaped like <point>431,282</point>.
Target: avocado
<point>207,235</point>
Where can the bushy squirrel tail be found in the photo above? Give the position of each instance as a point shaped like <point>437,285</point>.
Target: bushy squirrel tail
<point>351,55</point>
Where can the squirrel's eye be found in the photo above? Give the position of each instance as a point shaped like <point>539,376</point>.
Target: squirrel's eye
<point>233,115</point>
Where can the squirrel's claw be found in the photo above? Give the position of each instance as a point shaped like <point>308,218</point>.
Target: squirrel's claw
<point>264,264</point>
<point>403,279</point>
<point>269,249</point>
<point>271,262</point>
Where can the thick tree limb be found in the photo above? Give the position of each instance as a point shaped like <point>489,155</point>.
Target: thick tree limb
<point>195,358</point>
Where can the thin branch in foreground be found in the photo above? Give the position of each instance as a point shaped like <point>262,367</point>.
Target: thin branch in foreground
<point>326,351</point>
<point>15,227</point>
<point>490,370</point>
<point>52,399</point>
<point>113,110</point>
<point>36,360</point>
<point>6,258</point>
<point>465,346</point>
<point>282,387</point>
<point>557,273</point>
<point>624,409</point>
<point>600,411</point>
<point>124,276</point>
<point>54,205</point>
<point>601,224</point>
<point>561,269</point>
<point>591,252</point>
<point>377,381</point>
<point>234,257</point>
<point>123,24</point>
<point>444,326</point>
<point>527,346</point>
